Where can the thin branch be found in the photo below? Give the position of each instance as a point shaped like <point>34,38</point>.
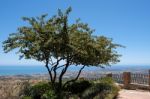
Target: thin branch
<point>54,68</point>
<point>60,66</point>
<point>56,64</point>
<point>74,78</point>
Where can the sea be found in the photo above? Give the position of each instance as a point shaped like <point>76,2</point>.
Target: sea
<point>23,70</point>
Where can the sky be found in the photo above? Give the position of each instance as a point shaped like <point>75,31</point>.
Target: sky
<point>126,21</point>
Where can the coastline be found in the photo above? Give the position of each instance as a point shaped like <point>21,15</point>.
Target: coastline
<point>40,70</point>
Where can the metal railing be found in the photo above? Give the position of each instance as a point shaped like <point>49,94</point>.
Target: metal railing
<point>118,78</point>
<point>137,78</point>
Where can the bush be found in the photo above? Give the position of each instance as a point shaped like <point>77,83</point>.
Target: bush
<point>42,90</point>
<point>38,90</point>
<point>78,86</point>
<point>101,89</point>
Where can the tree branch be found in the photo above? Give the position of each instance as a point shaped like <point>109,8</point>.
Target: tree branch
<point>54,68</point>
<point>56,64</point>
<point>74,78</point>
<point>60,66</point>
<point>50,74</point>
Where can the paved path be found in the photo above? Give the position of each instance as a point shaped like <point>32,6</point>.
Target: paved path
<point>133,94</point>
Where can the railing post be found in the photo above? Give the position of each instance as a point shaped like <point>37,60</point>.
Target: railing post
<point>126,79</point>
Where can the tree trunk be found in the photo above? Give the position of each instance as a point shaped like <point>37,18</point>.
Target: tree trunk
<point>61,76</point>
<point>50,74</point>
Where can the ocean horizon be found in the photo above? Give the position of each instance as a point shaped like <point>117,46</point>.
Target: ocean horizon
<point>29,70</point>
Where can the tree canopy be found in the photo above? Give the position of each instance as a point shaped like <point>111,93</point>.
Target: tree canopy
<point>52,40</point>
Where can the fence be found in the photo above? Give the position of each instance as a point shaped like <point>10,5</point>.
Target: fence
<point>118,78</point>
<point>140,79</point>
<point>128,79</point>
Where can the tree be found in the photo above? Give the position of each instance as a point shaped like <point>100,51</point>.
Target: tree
<point>54,41</point>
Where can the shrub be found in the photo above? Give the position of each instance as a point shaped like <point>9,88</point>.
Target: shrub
<point>78,86</point>
<point>101,89</point>
<point>42,90</point>
<point>38,90</point>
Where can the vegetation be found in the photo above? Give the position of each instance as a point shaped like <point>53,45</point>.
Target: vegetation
<point>100,89</point>
<point>60,45</point>
<point>38,90</point>
<point>78,86</point>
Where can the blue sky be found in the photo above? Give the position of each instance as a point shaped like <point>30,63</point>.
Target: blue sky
<point>126,21</point>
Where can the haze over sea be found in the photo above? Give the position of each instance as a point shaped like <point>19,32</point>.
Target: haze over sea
<point>28,70</point>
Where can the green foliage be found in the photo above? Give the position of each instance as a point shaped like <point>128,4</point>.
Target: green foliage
<point>56,38</point>
<point>38,90</point>
<point>49,95</point>
<point>42,90</point>
<point>102,89</point>
<point>78,87</point>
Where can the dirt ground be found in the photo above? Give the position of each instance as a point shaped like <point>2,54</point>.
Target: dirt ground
<point>134,94</point>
